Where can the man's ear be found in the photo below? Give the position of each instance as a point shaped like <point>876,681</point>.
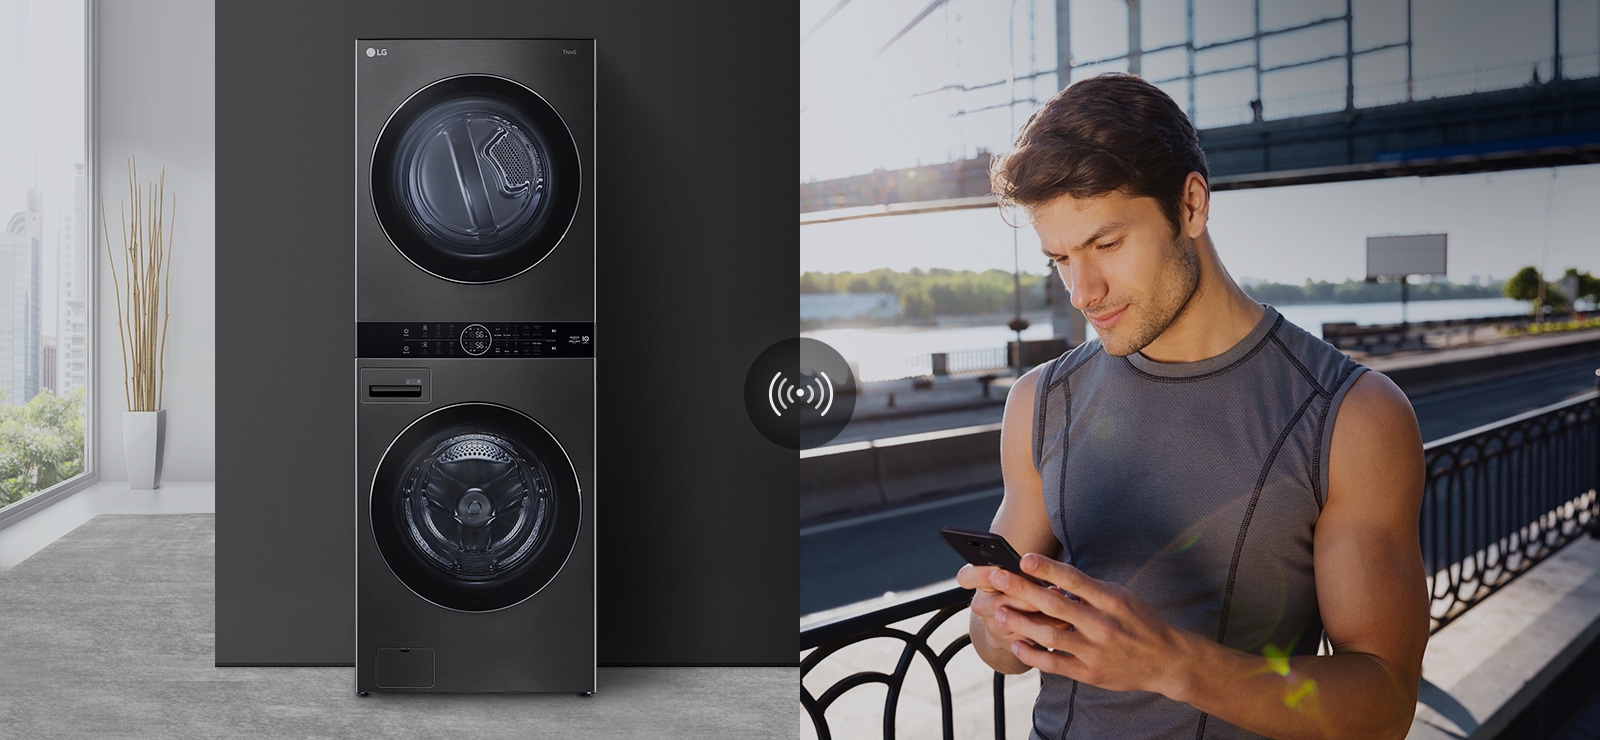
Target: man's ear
<point>1196,205</point>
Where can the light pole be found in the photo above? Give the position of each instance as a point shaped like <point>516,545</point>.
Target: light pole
<point>1018,323</point>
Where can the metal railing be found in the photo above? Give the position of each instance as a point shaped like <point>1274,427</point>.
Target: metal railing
<point>1377,337</point>
<point>962,362</point>
<point>1501,498</point>
<point>1498,500</point>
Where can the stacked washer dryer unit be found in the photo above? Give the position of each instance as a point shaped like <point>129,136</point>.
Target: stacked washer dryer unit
<point>475,456</point>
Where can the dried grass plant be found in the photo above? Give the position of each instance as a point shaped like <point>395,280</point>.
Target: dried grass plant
<point>142,292</point>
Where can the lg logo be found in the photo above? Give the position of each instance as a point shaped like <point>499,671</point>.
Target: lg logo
<point>371,52</point>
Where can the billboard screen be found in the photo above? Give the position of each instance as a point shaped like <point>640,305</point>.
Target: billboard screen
<point>1399,256</point>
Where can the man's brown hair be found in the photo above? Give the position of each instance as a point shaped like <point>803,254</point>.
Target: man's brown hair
<point>1113,132</point>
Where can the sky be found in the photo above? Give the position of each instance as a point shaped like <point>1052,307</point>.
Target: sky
<point>42,86</point>
<point>898,108</point>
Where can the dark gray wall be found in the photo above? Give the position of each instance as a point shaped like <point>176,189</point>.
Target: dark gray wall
<point>698,257</point>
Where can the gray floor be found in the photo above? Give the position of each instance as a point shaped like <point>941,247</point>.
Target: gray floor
<point>108,632</point>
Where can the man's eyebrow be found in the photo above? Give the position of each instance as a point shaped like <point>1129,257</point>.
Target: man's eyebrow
<point>1098,234</point>
<point>1101,233</point>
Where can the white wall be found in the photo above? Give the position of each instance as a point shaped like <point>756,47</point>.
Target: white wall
<point>156,100</point>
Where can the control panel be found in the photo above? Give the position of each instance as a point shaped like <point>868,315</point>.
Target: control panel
<point>468,339</point>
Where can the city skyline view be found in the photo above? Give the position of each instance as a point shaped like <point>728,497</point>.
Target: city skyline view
<point>43,199</point>
<point>45,246</point>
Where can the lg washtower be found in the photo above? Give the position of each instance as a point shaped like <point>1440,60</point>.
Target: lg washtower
<point>475,365</point>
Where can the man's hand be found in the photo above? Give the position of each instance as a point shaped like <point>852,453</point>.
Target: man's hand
<point>988,598</point>
<point>1102,634</point>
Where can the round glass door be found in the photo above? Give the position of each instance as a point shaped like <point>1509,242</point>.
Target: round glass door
<point>475,178</point>
<point>475,507</point>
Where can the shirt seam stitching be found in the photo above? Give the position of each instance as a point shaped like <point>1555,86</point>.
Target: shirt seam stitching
<point>1204,376</point>
<point>1244,525</point>
<point>1298,366</point>
<point>1316,450</point>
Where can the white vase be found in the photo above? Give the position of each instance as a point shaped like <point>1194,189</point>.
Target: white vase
<point>143,433</point>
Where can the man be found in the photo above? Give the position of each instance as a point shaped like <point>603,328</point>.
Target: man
<point>1207,488</point>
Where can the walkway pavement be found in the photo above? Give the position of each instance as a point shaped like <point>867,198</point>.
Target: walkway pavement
<point>1485,668</point>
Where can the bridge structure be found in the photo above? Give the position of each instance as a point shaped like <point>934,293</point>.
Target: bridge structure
<point>1381,120</point>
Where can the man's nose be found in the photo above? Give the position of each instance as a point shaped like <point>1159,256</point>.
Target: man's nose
<point>1084,285</point>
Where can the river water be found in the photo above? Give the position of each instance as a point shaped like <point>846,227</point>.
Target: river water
<point>883,353</point>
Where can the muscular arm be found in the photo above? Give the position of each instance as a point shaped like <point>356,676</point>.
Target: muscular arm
<point>1370,588</point>
<point>1021,519</point>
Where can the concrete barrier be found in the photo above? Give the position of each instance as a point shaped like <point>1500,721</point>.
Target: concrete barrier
<point>920,465</point>
<point>865,475</point>
<point>1418,377</point>
<point>1037,351</point>
<point>839,478</point>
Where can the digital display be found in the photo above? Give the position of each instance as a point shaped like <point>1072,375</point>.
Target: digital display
<point>469,340</point>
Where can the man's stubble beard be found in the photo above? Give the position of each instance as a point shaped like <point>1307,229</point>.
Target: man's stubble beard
<point>1168,305</point>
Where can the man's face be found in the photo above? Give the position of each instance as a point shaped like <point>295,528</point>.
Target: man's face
<point>1126,270</point>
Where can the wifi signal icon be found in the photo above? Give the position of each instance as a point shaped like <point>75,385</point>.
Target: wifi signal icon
<point>799,393</point>
<point>783,393</point>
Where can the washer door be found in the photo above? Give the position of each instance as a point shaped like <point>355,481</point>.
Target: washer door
<point>475,507</point>
<point>475,178</point>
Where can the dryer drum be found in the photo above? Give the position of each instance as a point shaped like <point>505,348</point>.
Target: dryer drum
<point>475,178</point>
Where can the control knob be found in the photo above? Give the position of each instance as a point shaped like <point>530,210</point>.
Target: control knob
<point>475,339</point>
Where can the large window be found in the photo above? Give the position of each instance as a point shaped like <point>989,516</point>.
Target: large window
<point>46,241</point>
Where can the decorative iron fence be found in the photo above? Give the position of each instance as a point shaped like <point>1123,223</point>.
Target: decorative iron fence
<point>1498,500</point>
<point>1501,498</point>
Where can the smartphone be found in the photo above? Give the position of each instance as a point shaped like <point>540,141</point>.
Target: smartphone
<point>986,548</point>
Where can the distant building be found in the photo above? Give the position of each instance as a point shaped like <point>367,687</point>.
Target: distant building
<point>20,298</point>
<point>847,306</point>
<point>47,365</point>
<point>72,314</point>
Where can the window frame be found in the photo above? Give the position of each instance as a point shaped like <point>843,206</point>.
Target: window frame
<point>19,510</point>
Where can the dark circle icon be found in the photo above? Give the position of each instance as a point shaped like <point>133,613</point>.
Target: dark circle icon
<point>800,393</point>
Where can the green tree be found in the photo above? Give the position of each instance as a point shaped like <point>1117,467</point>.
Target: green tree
<point>41,443</point>
<point>883,281</point>
<point>1524,286</point>
<point>1556,298</point>
<point>1588,285</point>
<point>916,302</point>
<point>1318,292</point>
<point>815,282</point>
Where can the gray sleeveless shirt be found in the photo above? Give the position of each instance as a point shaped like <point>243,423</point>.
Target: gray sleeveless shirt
<point>1197,486</point>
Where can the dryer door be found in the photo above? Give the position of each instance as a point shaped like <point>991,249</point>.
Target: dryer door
<point>475,178</point>
<point>475,507</point>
